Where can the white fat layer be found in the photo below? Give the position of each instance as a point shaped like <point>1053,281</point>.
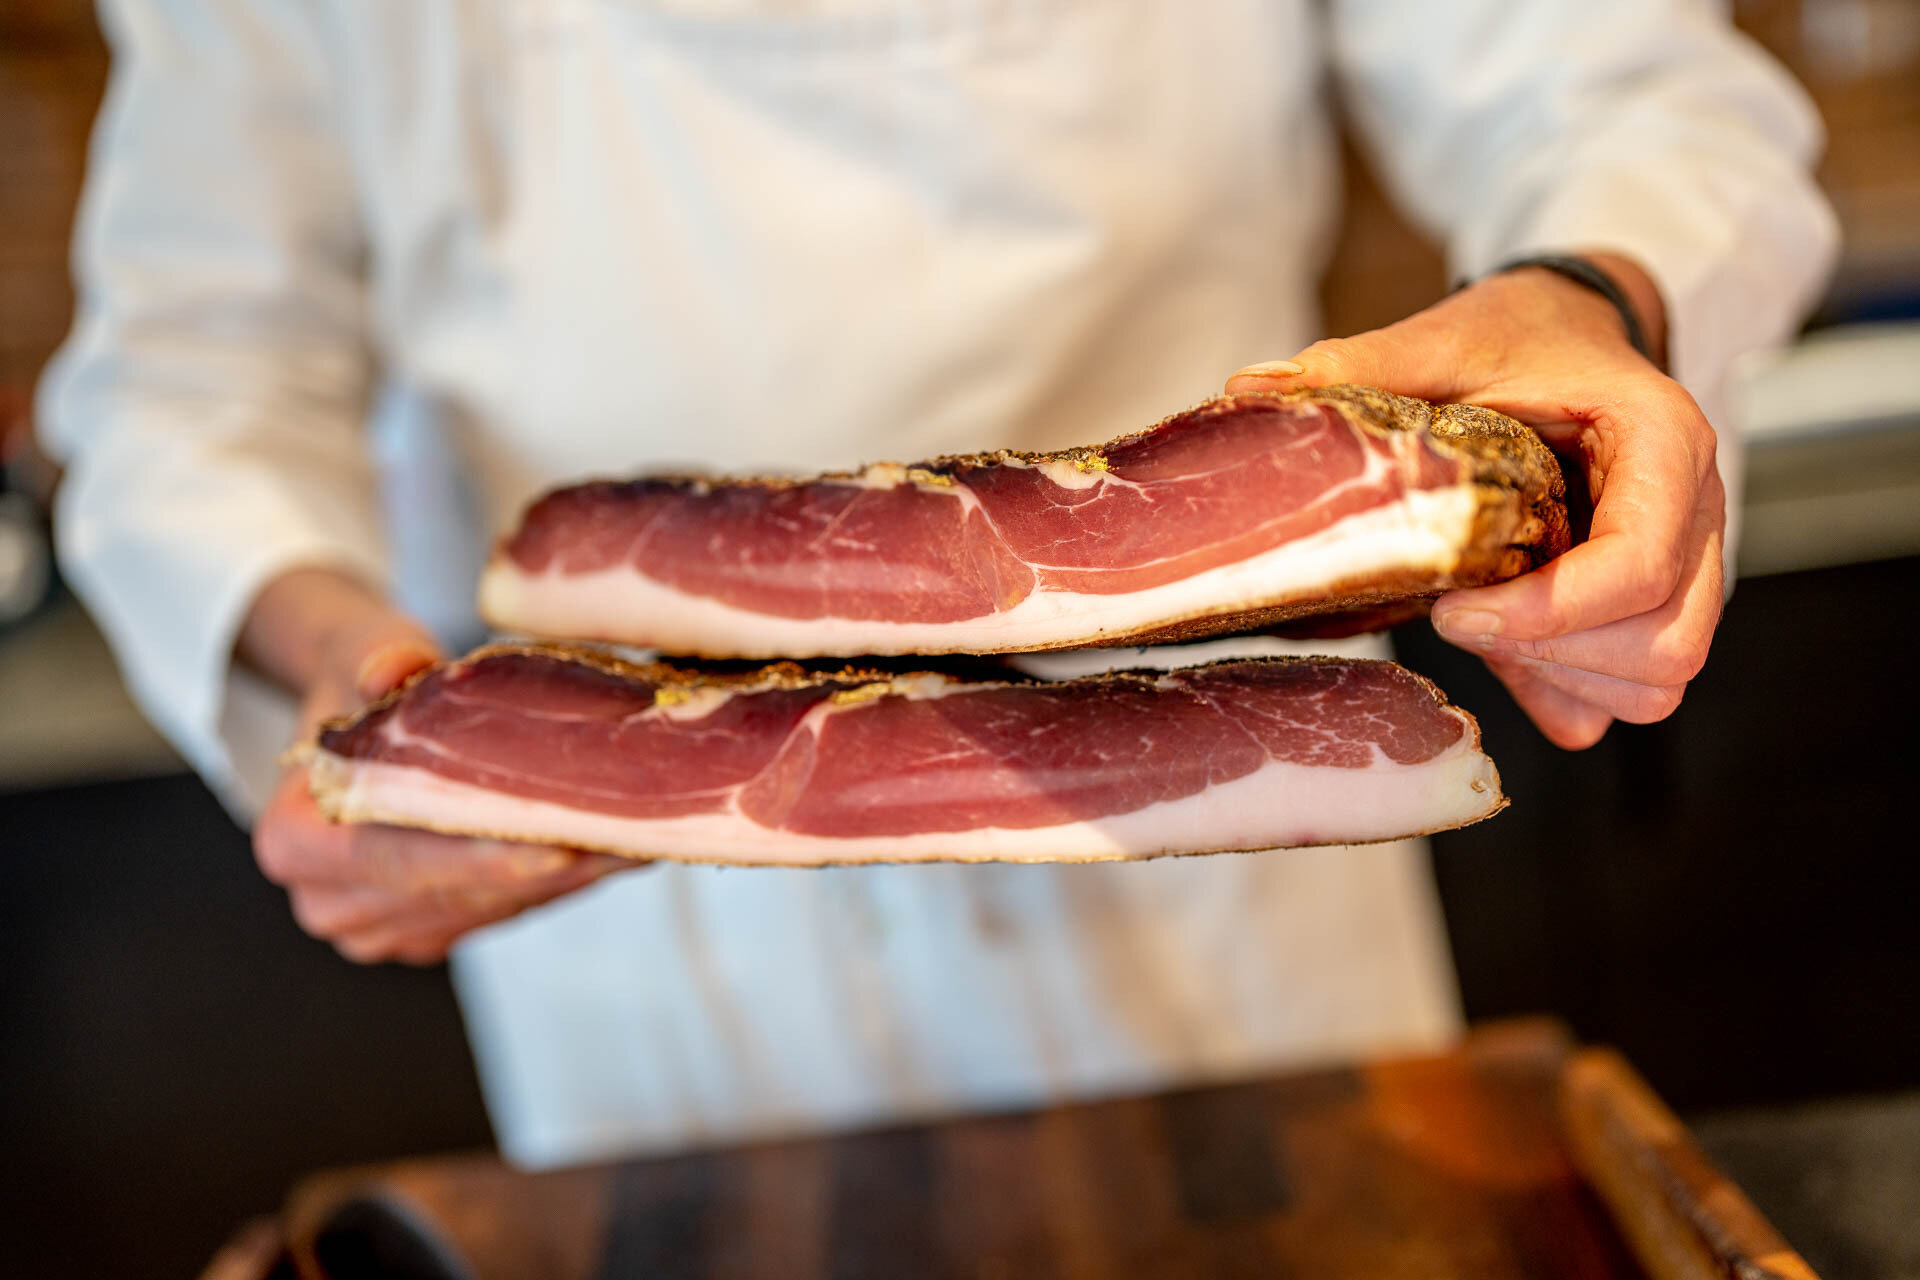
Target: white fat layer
<point>1422,532</point>
<point>879,475</point>
<point>674,703</point>
<point>891,475</point>
<point>1276,806</point>
<point>924,686</point>
<point>1067,474</point>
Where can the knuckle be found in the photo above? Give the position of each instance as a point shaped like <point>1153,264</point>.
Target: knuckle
<point>1548,624</point>
<point>274,853</point>
<point>1677,403</point>
<point>1713,505</point>
<point>1705,437</point>
<point>1581,734</point>
<point>1540,618</point>
<point>1678,407</point>
<point>1654,585</point>
<point>1706,452</point>
<point>311,914</point>
<point>1653,703</point>
<point>1675,662</point>
<point>362,950</point>
<point>421,953</point>
<point>1547,650</point>
<point>1334,355</point>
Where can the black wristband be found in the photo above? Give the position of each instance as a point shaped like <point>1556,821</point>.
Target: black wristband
<point>1582,272</point>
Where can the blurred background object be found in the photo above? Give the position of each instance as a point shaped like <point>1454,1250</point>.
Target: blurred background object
<point>51,73</point>
<point>1726,896</point>
<point>1833,424</point>
<point>26,553</point>
<point>63,714</point>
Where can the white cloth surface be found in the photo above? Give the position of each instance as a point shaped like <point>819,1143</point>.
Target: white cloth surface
<point>603,235</point>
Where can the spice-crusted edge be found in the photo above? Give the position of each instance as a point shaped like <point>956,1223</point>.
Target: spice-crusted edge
<point>793,675</point>
<point>1469,427</point>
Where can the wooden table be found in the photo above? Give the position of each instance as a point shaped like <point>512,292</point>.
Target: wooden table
<point>1517,1155</point>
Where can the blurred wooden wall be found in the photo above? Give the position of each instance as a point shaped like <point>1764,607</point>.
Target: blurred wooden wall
<point>1861,58</point>
<point>52,69</point>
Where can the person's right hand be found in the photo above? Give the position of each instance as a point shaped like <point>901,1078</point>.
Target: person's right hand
<point>391,893</point>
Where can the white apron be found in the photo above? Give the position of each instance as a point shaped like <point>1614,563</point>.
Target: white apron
<point>1072,258</point>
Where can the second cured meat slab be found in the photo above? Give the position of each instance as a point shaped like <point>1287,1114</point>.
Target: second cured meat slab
<point>1248,511</point>
<point>789,767</point>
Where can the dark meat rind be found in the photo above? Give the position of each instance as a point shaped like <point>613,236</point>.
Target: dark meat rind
<point>1524,506</point>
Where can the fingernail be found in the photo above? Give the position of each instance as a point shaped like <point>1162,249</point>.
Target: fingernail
<point>1469,624</point>
<point>372,672</point>
<point>534,863</point>
<point>388,665</point>
<point>1272,369</point>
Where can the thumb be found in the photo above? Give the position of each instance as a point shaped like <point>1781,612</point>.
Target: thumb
<point>1399,358</point>
<point>387,665</point>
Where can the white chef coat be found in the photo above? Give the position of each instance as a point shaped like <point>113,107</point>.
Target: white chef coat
<point>604,235</point>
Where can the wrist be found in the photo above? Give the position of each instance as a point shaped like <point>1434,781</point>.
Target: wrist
<point>1604,293</point>
<point>1642,294</point>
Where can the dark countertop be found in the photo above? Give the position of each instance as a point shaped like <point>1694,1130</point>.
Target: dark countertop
<point>1840,1179</point>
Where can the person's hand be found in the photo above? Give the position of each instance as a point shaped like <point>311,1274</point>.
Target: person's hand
<point>384,893</point>
<point>1616,627</point>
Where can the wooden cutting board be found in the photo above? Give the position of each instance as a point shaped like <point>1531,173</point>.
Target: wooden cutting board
<point>1517,1155</point>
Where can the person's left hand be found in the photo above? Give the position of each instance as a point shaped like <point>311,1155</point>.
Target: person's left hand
<point>378,892</point>
<point>1618,626</point>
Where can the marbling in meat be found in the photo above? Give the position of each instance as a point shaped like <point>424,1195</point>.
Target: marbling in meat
<point>784,766</point>
<point>1245,512</point>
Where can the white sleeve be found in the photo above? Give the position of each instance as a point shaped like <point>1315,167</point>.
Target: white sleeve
<point>209,403</point>
<point>1649,127</point>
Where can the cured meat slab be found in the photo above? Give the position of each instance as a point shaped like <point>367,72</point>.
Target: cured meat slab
<point>1246,512</point>
<point>784,766</point>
